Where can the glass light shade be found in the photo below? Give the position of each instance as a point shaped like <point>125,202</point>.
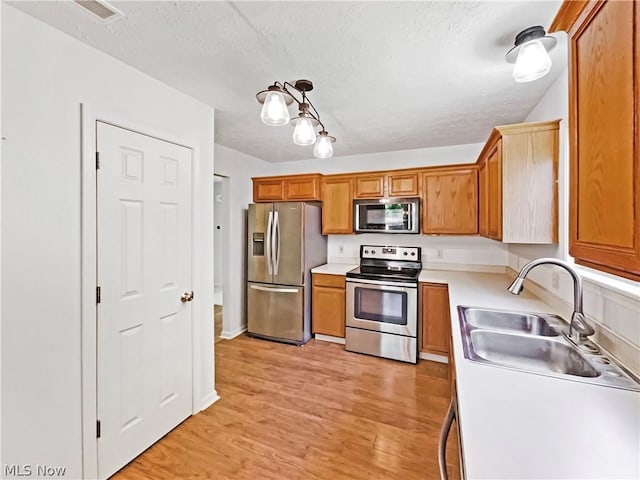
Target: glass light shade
<point>304,133</point>
<point>274,110</point>
<point>533,62</point>
<point>323,148</point>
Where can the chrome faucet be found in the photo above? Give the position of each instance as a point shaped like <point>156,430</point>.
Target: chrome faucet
<point>579,329</point>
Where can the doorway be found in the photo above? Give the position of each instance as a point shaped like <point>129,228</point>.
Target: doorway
<point>220,245</point>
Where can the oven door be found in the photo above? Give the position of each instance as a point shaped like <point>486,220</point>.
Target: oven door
<point>383,307</point>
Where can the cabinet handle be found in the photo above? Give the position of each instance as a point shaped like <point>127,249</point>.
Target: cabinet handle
<point>444,436</point>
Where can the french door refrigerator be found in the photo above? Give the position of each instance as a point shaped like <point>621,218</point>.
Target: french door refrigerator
<point>285,242</point>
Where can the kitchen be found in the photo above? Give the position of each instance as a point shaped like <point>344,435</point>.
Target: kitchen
<point>611,304</point>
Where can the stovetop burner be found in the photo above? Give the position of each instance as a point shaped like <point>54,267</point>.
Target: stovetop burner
<point>387,263</point>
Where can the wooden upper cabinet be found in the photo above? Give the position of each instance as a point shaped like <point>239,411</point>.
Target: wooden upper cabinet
<point>403,185</point>
<point>369,186</point>
<point>337,204</point>
<point>604,106</point>
<point>450,203</point>
<point>519,191</point>
<point>287,188</point>
<point>387,184</point>
<point>483,199</point>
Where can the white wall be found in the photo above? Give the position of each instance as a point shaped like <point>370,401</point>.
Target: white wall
<point>422,157</point>
<point>612,304</point>
<point>239,168</point>
<point>219,215</point>
<point>46,75</point>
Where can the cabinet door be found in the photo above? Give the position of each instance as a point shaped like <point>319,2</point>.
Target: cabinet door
<point>328,311</point>
<point>483,200</point>
<point>494,205</point>
<point>302,188</point>
<point>451,201</point>
<point>337,206</point>
<point>604,108</point>
<point>268,190</point>
<point>435,317</point>
<point>403,185</point>
<point>369,186</point>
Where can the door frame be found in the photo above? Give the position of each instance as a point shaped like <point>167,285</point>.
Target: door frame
<point>89,223</point>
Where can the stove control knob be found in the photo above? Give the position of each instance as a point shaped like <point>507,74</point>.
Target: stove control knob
<point>373,251</point>
<point>405,254</point>
<point>366,251</point>
<point>413,254</point>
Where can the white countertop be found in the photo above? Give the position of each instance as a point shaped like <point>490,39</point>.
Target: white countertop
<point>520,425</point>
<point>334,268</point>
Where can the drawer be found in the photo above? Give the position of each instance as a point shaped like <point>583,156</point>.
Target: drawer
<point>324,280</point>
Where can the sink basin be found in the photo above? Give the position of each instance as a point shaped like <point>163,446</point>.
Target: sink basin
<point>530,353</point>
<point>528,323</point>
<point>532,342</point>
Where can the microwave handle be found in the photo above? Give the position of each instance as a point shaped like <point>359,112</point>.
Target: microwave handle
<point>444,436</point>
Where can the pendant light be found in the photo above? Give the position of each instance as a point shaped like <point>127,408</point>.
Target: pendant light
<point>323,148</point>
<point>274,109</point>
<point>530,54</point>
<point>275,113</point>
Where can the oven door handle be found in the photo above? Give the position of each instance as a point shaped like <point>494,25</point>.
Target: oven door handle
<point>398,286</point>
<point>444,436</point>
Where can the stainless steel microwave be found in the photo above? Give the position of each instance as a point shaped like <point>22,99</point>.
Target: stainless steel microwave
<point>387,215</point>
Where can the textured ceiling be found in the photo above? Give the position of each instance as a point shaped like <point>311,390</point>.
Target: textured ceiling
<point>388,75</point>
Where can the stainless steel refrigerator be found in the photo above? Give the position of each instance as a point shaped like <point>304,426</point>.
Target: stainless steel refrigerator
<point>285,242</point>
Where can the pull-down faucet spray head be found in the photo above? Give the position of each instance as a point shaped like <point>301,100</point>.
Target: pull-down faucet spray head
<point>516,286</point>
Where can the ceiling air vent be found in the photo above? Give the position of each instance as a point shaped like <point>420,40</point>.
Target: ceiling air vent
<point>100,9</point>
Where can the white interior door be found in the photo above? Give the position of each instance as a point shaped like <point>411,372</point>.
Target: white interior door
<point>144,267</point>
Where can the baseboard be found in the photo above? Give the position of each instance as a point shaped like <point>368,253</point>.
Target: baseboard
<point>433,357</point>
<point>209,400</point>
<point>329,338</point>
<point>230,335</point>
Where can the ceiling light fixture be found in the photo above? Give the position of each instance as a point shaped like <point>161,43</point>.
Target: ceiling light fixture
<point>275,100</point>
<point>530,54</point>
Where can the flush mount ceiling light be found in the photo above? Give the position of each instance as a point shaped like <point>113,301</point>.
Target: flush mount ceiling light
<point>275,101</point>
<point>530,54</point>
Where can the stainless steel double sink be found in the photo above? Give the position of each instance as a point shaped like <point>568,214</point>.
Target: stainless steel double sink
<point>533,342</point>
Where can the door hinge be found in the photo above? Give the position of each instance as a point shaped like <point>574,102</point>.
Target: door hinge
<point>98,429</point>
<point>98,294</point>
<point>97,160</point>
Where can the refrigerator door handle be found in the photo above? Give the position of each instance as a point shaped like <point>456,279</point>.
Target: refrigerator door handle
<point>276,242</point>
<point>275,290</point>
<point>268,245</point>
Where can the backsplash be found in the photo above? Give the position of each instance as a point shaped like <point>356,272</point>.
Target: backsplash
<point>613,312</point>
<point>438,252</point>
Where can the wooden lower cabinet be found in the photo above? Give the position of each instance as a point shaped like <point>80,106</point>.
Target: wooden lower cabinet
<point>435,318</point>
<point>328,304</point>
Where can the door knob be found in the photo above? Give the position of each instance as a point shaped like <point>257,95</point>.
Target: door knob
<point>186,297</point>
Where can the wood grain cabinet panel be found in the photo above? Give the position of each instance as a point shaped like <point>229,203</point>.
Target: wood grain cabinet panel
<point>268,190</point>
<point>403,184</point>
<point>369,186</point>
<point>305,187</point>
<point>328,305</point>
<point>337,205</point>
<point>518,184</point>
<point>450,201</point>
<point>483,199</point>
<point>435,317</point>
<point>604,106</point>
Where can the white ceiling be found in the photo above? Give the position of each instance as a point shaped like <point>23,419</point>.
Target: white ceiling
<point>388,75</point>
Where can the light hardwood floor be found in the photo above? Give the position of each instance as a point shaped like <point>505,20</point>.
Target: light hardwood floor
<point>217,322</point>
<point>312,412</point>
